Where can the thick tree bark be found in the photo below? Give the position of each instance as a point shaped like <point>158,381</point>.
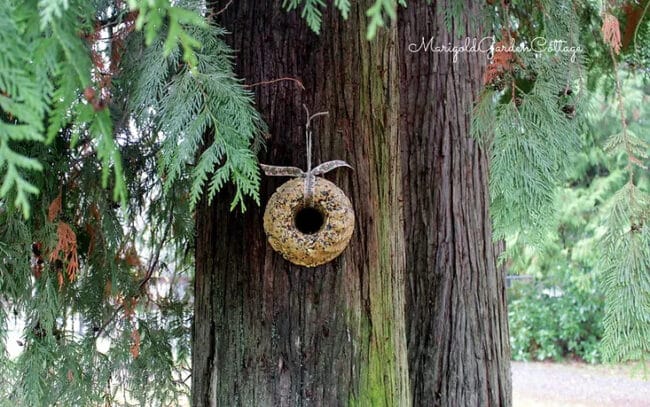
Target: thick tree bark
<point>456,307</point>
<point>269,333</point>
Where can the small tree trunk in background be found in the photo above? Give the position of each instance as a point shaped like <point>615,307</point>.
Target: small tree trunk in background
<point>457,327</point>
<point>267,332</point>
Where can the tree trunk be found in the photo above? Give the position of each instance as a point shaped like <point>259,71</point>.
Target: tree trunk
<point>267,332</point>
<point>457,331</point>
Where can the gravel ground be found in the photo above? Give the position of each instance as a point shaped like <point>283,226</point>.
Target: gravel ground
<point>573,384</point>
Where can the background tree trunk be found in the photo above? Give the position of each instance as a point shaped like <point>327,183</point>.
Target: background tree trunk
<point>270,333</point>
<point>457,329</point>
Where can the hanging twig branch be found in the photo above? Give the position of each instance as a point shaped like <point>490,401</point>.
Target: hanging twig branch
<point>310,177</point>
<point>296,81</point>
<point>311,173</point>
<point>212,14</point>
<point>222,9</point>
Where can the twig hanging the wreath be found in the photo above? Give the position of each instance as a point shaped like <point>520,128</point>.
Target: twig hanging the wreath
<point>311,173</point>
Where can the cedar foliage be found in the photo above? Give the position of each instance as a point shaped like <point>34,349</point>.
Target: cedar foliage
<point>117,117</point>
<point>104,106</point>
<point>532,117</point>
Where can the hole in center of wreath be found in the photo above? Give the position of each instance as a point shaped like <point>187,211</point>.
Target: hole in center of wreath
<point>309,220</point>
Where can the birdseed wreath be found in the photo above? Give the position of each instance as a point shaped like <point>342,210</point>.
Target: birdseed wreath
<point>308,220</point>
<point>309,235</point>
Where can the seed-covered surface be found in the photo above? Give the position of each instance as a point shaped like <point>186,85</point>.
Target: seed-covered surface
<point>309,249</point>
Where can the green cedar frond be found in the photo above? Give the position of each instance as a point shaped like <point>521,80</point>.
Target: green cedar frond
<point>153,15</point>
<point>377,14</point>
<point>51,9</point>
<point>22,108</point>
<point>42,77</point>
<point>44,74</point>
<point>108,153</point>
<point>74,75</point>
<point>531,139</point>
<point>75,53</point>
<point>453,17</point>
<point>625,263</point>
<point>344,7</point>
<point>189,104</point>
<point>484,118</point>
<point>312,12</point>
<point>625,259</point>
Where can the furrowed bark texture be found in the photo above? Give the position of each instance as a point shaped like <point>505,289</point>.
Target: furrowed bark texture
<point>456,307</point>
<point>266,332</point>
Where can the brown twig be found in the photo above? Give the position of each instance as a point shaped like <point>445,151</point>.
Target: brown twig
<point>223,8</point>
<point>274,81</point>
<point>638,24</point>
<point>212,14</point>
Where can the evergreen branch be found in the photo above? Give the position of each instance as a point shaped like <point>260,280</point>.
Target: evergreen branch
<point>50,10</point>
<point>195,101</point>
<point>23,102</point>
<point>153,265</point>
<point>151,18</point>
<point>109,154</point>
<point>626,258</point>
<point>73,50</point>
<point>376,14</point>
<point>344,7</point>
<point>311,12</point>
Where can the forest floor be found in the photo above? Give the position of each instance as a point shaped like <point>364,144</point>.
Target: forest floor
<point>571,384</point>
